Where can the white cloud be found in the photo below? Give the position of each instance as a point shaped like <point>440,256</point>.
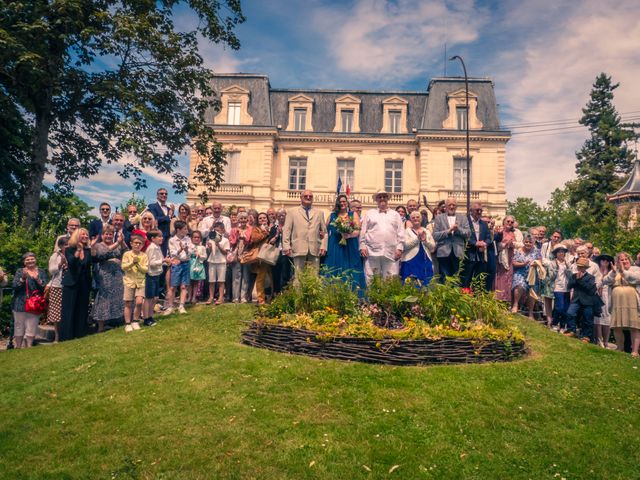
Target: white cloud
<point>393,41</point>
<point>550,77</point>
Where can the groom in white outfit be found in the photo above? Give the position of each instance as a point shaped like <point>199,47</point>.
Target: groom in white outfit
<point>381,239</point>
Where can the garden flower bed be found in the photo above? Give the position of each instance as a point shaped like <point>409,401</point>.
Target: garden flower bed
<point>396,324</point>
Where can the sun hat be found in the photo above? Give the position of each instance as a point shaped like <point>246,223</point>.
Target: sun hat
<point>604,256</point>
<point>378,193</point>
<point>582,262</point>
<point>558,247</point>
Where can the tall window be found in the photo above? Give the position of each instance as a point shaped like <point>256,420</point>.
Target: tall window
<point>393,176</point>
<point>394,121</point>
<point>232,168</point>
<point>347,120</point>
<point>300,119</point>
<point>461,116</point>
<point>297,173</point>
<point>345,171</point>
<point>460,173</point>
<point>233,113</point>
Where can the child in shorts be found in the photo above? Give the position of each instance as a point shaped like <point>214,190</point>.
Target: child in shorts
<point>134,265</point>
<point>180,250</point>
<point>218,247</point>
<point>154,274</point>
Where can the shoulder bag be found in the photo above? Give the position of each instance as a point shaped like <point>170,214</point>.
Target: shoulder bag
<point>269,254</point>
<point>35,304</point>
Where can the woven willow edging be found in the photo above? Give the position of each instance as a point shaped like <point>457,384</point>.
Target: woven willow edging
<point>389,352</point>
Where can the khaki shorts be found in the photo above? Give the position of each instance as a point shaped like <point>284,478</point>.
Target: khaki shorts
<point>131,293</point>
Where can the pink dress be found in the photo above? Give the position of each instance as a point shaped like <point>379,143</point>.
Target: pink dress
<point>504,277</point>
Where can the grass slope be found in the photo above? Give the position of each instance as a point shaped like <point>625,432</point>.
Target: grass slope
<point>185,399</point>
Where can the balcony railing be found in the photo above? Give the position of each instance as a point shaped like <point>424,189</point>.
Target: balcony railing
<point>475,194</point>
<point>235,188</point>
<point>329,198</point>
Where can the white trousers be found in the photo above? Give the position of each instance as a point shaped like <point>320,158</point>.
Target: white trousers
<point>381,266</point>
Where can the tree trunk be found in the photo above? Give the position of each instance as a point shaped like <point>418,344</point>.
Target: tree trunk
<point>37,167</point>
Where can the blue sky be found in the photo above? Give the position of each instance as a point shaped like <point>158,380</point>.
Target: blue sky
<point>543,56</point>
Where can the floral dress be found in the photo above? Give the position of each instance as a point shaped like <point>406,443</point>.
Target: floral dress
<point>109,302</point>
<point>520,274</point>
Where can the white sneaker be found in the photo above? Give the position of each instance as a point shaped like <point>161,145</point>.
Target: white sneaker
<point>135,325</point>
<point>168,311</point>
<point>128,328</point>
<point>181,309</point>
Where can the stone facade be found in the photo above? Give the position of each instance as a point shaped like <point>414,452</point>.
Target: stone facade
<point>282,141</point>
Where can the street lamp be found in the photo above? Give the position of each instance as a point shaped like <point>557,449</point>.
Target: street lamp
<point>466,115</point>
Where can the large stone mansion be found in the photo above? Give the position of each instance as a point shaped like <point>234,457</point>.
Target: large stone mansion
<point>283,141</point>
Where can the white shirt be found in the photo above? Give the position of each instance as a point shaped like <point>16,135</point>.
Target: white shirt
<point>216,255</point>
<point>154,254</point>
<point>451,220</point>
<point>476,227</point>
<point>382,233</point>
<point>560,284</point>
<point>206,225</point>
<point>175,248</point>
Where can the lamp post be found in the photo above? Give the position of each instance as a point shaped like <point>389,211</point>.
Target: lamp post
<point>466,116</point>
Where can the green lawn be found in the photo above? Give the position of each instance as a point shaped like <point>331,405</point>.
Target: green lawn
<point>185,399</point>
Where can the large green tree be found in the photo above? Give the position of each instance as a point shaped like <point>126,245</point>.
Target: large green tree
<point>526,211</point>
<point>110,81</point>
<point>604,159</point>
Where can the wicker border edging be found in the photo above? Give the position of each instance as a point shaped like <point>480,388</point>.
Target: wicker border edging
<point>387,351</point>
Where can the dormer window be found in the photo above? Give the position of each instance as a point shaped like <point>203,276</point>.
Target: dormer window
<point>461,117</point>
<point>457,111</point>
<point>300,110</point>
<point>394,121</point>
<point>347,114</point>
<point>394,115</point>
<point>233,113</point>
<point>234,107</point>
<point>300,119</point>
<point>347,120</point>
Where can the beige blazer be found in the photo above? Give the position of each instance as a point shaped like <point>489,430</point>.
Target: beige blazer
<point>302,235</point>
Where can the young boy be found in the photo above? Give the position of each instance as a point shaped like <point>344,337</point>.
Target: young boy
<point>218,247</point>
<point>135,265</point>
<point>180,250</point>
<point>152,279</point>
<point>584,299</point>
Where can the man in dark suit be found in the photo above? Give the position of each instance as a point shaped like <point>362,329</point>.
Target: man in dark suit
<point>450,231</point>
<point>476,253</point>
<point>163,214</point>
<point>584,300</point>
<point>95,227</point>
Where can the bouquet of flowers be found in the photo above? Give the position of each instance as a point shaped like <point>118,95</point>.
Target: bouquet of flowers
<point>344,226</point>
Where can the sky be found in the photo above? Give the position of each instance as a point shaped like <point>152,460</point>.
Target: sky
<point>543,56</point>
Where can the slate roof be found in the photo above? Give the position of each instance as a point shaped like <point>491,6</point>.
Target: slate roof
<point>632,187</point>
<point>425,110</point>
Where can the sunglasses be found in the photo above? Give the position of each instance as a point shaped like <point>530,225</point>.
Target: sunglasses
<point>308,197</point>
<point>105,209</point>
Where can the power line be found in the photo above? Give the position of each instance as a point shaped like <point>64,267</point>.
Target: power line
<point>574,127</point>
<point>559,121</point>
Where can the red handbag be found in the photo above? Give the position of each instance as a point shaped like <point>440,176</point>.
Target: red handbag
<point>36,303</point>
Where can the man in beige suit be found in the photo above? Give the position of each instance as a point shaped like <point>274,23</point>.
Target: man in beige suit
<point>304,236</point>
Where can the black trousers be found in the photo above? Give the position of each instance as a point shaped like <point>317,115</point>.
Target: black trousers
<point>75,311</point>
<point>448,266</point>
<point>472,269</point>
<point>282,273</point>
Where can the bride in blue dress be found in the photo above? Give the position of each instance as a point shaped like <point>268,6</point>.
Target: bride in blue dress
<point>344,260</point>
